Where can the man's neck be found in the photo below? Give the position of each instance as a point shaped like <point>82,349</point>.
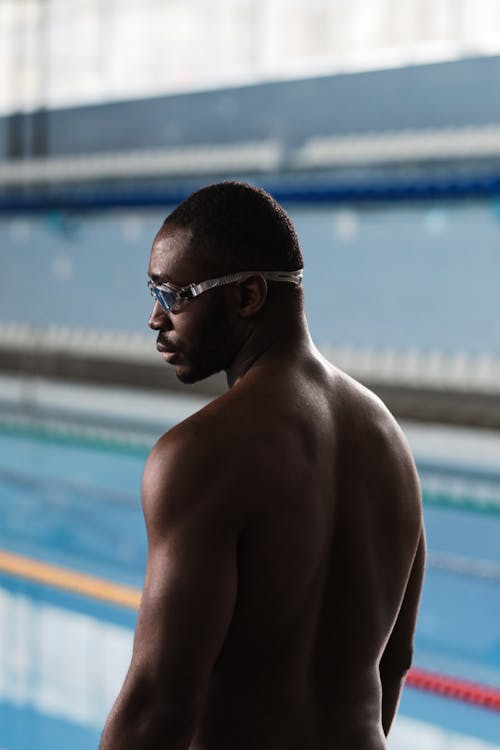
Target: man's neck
<point>279,338</point>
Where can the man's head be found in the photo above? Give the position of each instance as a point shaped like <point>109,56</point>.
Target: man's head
<point>237,227</point>
<point>219,230</point>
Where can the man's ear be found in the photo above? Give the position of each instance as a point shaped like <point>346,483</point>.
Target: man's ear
<point>252,295</point>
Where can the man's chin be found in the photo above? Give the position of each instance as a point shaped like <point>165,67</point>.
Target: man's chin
<point>189,375</point>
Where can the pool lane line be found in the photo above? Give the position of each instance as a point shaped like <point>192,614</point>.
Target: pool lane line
<point>69,580</point>
<point>101,439</point>
<point>477,506</point>
<point>456,688</point>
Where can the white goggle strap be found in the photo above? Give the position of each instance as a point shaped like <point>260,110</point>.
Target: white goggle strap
<point>290,277</point>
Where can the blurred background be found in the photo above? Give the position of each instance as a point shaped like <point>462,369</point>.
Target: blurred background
<point>377,125</point>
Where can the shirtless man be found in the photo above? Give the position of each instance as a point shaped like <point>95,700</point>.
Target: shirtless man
<point>286,546</point>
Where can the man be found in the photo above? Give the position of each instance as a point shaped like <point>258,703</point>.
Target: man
<point>286,547</point>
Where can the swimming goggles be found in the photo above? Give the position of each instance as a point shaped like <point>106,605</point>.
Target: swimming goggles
<point>168,296</point>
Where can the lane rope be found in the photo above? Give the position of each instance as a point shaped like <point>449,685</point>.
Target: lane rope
<point>456,688</point>
<point>69,580</point>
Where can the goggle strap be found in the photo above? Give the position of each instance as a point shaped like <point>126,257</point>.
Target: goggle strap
<point>290,277</point>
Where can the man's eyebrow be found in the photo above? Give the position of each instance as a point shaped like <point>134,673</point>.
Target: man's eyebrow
<point>158,280</point>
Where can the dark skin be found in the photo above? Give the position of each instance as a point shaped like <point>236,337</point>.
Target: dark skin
<point>286,546</point>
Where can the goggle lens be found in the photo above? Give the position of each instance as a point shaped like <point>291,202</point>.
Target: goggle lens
<point>166,298</point>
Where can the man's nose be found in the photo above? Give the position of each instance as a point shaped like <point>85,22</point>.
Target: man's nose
<point>159,320</point>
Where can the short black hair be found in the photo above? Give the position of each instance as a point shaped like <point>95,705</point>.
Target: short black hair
<point>238,227</point>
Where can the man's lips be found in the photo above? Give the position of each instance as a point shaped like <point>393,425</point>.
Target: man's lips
<point>164,348</point>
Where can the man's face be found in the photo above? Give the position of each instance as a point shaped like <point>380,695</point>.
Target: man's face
<point>196,339</point>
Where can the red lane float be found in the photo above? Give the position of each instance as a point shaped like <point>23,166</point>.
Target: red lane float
<point>452,687</point>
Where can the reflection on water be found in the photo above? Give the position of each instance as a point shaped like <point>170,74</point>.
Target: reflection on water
<point>62,663</point>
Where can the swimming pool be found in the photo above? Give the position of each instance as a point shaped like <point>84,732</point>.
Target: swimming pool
<point>70,502</point>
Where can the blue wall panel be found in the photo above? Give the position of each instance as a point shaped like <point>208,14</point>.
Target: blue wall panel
<point>408,276</point>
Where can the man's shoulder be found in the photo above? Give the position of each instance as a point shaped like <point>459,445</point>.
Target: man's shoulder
<point>187,447</point>
<point>218,436</point>
<point>375,449</point>
<point>197,467</point>
<point>210,430</point>
<point>368,420</point>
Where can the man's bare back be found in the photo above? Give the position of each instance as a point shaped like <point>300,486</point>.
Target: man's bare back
<point>285,564</point>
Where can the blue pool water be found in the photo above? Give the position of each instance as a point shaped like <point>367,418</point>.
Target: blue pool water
<point>76,504</point>
<point>73,505</point>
